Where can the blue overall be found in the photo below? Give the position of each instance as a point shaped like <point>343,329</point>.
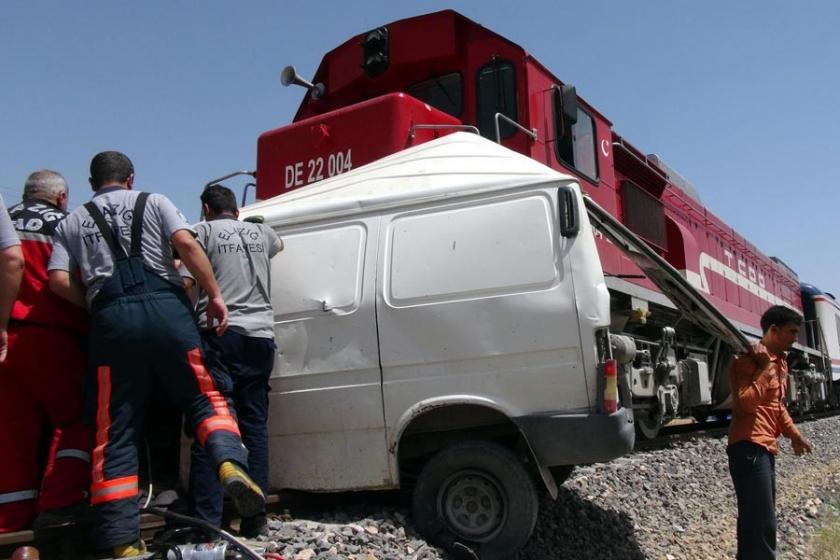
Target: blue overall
<point>143,334</point>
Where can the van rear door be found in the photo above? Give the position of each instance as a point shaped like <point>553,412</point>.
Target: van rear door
<point>477,305</point>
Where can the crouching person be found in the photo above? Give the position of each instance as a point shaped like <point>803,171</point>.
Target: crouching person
<point>241,358</point>
<point>142,333</point>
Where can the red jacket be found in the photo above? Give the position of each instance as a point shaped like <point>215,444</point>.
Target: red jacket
<point>35,222</point>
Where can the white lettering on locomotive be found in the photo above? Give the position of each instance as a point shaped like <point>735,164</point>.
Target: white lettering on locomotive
<point>316,169</point>
<point>746,277</point>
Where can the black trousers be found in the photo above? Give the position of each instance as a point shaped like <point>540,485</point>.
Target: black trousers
<point>753,471</point>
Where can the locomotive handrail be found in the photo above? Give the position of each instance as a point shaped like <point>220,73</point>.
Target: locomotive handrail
<point>234,174</point>
<point>245,191</point>
<point>416,127</point>
<point>228,176</point>
<point>532,132</point>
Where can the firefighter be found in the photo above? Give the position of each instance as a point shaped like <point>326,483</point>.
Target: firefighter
<point>241,359</point>
<point>142,333</point>
<point>41,392</point>
<point>11,271</point>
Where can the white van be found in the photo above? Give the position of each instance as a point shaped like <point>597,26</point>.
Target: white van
<point>442,322</point>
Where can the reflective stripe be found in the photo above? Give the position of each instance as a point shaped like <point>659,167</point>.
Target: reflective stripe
<point>205,384</point>
<point>215,423</point>
<point>114,489</point>
<point>219,403</point>
<point>103,422</point>
<point>73,454</point>
<point>222,418</point>
<point>21,496</point>
<point>33,236</point>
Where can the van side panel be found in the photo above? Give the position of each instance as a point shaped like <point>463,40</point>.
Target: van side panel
<point>477,301</point>
<point>326,400</point>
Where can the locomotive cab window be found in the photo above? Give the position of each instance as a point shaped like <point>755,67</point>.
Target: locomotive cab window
<point>496,93</point>
<point>445,93</point>
<point>576,145</point>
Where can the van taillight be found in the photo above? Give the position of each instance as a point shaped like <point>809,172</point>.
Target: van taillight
<point>610,386</point>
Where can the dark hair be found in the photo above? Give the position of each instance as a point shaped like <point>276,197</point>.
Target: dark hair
<point>780,316</point>
<point>219,199</point>
<point>110,167</point>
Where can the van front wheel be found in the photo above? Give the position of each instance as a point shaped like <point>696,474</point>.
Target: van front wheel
<point>478,494</point>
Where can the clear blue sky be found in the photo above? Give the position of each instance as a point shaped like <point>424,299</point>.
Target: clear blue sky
<point>740,97</point>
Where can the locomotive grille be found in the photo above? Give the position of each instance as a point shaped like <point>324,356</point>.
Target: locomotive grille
<point>643,214</point>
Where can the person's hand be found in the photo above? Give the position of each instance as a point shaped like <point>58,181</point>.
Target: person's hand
<point>217,314</point>
<point>4,344</point>
<point>800,445</point>
<point>761,356</point>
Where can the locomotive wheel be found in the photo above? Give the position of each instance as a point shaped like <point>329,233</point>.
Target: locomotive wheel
<point>478,494</point>
<point>648,423</point>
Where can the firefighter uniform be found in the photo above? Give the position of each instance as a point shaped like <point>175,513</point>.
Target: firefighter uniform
<point>41,384</point>
<point>143,332</point>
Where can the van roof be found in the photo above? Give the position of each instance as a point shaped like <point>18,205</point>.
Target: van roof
<point>456,165</point>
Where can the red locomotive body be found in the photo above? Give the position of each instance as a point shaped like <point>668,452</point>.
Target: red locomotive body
<point>418,78</point>
<point>443,69</point>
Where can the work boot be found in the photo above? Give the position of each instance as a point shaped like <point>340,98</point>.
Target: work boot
<point>130,550</point>
<point>244,492</point>
<point>253,527</point>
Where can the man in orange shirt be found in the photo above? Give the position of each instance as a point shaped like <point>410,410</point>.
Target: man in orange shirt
<point>759,387</point>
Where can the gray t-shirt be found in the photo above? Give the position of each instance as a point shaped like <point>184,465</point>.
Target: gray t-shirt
<point>78,242</point>
<point>240,253</point>
<point>8,235</point>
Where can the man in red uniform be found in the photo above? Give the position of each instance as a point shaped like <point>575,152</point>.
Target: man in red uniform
<point>40,382</point>
<point>759,387</point>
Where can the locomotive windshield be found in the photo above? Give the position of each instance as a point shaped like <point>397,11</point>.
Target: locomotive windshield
<point>445,93</point>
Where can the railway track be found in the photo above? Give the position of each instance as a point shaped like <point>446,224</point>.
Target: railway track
<point>672,434</point>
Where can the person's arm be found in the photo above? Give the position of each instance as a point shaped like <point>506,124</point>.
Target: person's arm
<point>11,272</point>
<point>750,380</point>
<point>188,280</point>
<point>790,431</point>
<point>62,281</point>
<point>65,285</point>
<point>275,244</point>
<point>193,257</point>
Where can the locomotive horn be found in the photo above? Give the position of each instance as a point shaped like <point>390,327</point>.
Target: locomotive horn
<point>290,76</point>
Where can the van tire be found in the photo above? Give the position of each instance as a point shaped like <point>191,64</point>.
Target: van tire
<point>501,516</point>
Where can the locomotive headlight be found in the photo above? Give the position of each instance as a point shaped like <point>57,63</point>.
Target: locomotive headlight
<point>375,49</point>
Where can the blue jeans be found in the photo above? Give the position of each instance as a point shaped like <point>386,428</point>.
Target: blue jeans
<point>753,471</point>
<point>240,367</point>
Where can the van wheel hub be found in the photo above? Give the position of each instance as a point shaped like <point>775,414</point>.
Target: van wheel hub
<point>471,503</point>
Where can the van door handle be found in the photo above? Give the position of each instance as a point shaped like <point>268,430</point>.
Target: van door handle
<point>567,207</point>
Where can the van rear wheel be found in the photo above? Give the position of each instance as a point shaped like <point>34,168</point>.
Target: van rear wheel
<point>478,494</point>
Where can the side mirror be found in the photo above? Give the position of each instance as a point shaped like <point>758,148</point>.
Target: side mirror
<point>568,100</point>
<point>568,212</point>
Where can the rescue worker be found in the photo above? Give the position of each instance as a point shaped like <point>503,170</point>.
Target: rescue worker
<point>759,382</point>
<point>240,359</point>
<point>142,332</point>
<point>41,391</point>
<point>11,271</point>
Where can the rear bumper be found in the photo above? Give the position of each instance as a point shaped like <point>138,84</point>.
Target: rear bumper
<point>573,439</point>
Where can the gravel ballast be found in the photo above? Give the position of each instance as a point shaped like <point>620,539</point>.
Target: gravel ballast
<point>671,504</point>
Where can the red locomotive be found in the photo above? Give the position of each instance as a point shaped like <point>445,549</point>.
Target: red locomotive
<point>419,78</point>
